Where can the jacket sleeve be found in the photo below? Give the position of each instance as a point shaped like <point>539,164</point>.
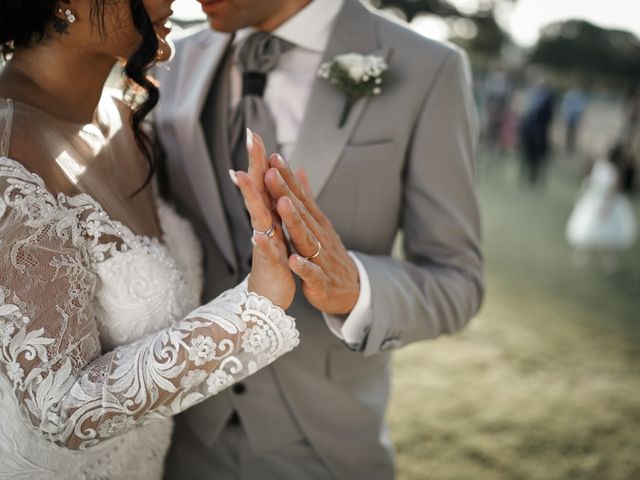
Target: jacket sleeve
<point>438,287</point>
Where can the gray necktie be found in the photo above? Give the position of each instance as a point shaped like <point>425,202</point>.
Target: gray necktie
<point>256,57</point>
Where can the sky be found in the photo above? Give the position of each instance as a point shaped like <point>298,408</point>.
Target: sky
<point>529,15</point>
<point>524,20</point>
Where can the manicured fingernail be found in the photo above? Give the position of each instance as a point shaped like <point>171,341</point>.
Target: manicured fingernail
<point>253,242</point>
<point>280,161</point>
<point>300,261</point>
<point>291,206</point>
<point>234,177</point>
<point>249,140</point>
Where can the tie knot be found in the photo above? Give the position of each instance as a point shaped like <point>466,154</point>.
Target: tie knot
<point>260,52</point>
<point>253,83</point>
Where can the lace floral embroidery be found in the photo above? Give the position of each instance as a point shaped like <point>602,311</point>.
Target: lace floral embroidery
<point>70,392</point>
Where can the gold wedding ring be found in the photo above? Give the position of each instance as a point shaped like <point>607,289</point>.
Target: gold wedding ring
<point>269,233</point>
<point>315,255</point>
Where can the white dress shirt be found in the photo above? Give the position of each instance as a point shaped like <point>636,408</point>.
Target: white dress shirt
<point>287,93</point>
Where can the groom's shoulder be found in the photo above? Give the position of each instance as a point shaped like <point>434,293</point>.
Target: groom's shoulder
<point>410,45</point>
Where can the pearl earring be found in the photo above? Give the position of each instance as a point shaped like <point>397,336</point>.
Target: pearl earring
<point>71,18</point>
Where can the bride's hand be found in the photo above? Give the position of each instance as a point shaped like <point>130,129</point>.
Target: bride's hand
<point>270,276</point>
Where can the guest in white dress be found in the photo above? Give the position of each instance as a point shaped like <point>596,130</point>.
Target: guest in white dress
<point>603,221</point>
<point>102,340</point>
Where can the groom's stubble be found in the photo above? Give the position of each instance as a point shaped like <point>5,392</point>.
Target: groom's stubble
<point>231,15</point>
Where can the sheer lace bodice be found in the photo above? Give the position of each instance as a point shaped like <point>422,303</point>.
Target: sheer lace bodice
<point>100,337</point>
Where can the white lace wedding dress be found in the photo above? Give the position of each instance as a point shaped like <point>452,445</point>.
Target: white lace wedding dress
<point>101,336</point>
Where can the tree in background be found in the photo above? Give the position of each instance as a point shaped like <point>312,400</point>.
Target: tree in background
<point>580,48</point>
<point>477,31</point>
<point>573,46</point>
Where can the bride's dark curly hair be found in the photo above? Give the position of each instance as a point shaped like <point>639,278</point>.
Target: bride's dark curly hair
<point>26,22</point>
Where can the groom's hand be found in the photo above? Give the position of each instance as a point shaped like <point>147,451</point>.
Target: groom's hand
<point>330,279</point>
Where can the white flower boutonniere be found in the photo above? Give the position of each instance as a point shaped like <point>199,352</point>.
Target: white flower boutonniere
<point>356,75</point>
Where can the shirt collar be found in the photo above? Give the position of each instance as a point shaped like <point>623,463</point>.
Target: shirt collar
<point>310,28</point>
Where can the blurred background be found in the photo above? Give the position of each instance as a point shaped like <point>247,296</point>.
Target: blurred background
<point>544,383</point>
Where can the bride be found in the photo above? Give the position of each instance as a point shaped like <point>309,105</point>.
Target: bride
<point>101,336</point>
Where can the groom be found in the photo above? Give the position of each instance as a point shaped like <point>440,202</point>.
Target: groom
<point>402,160</point>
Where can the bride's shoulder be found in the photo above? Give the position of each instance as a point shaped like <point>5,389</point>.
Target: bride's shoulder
<point>34,143</point>
<point>25,132</point>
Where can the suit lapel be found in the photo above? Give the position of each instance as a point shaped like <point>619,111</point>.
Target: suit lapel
<point>198,65</point>
<point>321,142</point>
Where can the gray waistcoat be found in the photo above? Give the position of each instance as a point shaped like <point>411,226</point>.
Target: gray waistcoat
<point>261,407</point>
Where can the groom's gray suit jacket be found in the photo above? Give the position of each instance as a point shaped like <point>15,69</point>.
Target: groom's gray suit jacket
<point>404,161</point>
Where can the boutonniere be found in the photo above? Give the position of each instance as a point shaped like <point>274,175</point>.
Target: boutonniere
<point>356,75</point>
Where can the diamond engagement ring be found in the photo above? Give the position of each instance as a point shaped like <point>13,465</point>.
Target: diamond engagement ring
<point>315,255</point>
<point>268,233</point>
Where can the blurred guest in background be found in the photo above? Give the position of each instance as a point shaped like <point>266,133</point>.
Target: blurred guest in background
<point>603,221</point>
<point>574,103</point>
<point>630,140</point>
<point>534,130</point>
<point>497,96</point>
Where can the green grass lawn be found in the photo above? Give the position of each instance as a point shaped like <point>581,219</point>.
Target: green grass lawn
<point>545,383</point>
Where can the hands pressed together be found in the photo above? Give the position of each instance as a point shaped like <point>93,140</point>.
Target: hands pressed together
<point>275,196</point>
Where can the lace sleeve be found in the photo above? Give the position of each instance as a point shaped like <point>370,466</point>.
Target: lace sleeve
<point>71,392</point>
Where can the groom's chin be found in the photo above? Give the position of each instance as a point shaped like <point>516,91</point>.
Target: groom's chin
<point>219,26</point>
<point>216,12</point>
